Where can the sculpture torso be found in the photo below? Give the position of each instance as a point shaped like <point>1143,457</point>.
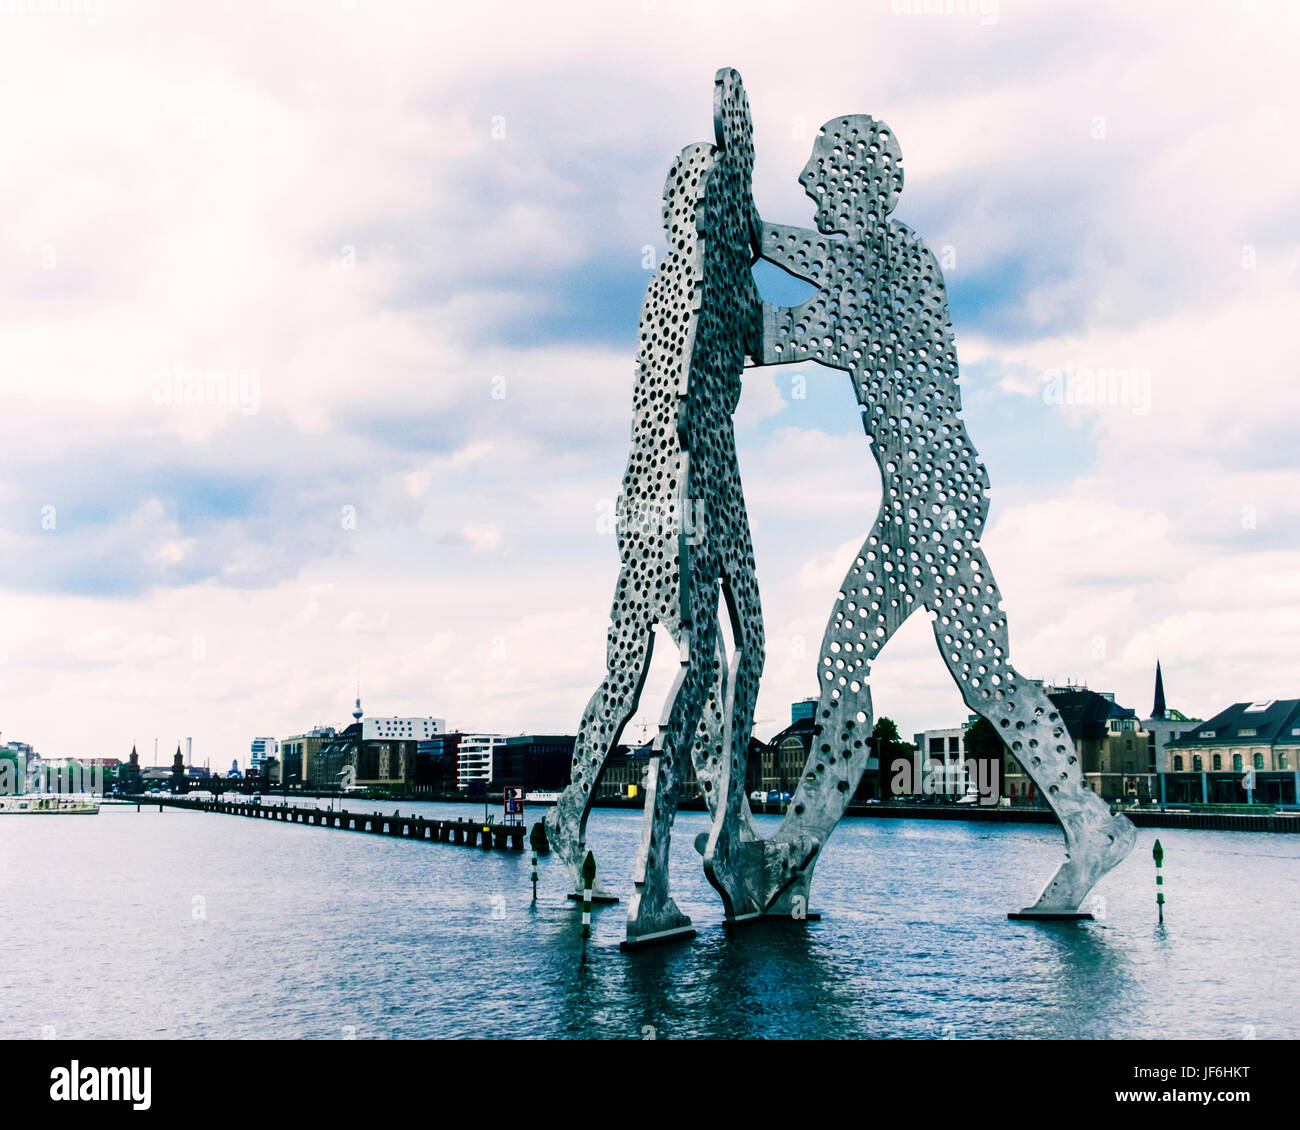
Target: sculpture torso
<point>889,327</point>
<point>681,490</point>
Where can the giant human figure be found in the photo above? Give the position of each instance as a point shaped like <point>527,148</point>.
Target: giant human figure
<point>683,534</point>
<point>881,313</point>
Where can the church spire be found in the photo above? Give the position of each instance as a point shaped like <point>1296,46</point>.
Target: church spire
<point>1158,709</point>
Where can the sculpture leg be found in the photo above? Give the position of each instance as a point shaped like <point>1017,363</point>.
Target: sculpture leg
<point>706,749</point>
<point>653,914</point>
<point>614,702</point>
<point>971,630</point>
<point>872,605</point>
<point>732,833</point>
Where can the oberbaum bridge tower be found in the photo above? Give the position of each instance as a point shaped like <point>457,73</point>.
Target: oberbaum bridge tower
<point>880,314</point>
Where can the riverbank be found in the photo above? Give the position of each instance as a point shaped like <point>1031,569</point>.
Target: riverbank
<point>1209,819</point>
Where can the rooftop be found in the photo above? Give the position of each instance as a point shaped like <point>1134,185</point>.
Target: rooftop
<point>1267,722</point>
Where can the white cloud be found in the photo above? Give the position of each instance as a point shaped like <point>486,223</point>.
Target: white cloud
<point>317,196</point>
<point>482,538</point>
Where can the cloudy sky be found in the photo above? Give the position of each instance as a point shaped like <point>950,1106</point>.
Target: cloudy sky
<point>403,247</point>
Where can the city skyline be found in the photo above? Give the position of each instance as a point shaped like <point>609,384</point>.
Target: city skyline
<point>413,406</point>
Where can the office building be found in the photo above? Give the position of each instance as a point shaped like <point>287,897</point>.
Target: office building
<point>941,755</point>
<point>803,710</point>
<point>298,755</point>
<point>435,764</point>
<point>261,749</point>
<point>402,729</point>
<point>474,761</point>
<point>538,762</point>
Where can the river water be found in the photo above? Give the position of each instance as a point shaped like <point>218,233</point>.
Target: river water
<point>182,924</point>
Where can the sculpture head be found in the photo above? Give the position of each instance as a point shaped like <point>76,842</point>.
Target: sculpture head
<point>854,174</point>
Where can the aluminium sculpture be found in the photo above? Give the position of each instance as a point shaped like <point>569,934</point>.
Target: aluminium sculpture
<point>880,313</point>
<point>683,533</point>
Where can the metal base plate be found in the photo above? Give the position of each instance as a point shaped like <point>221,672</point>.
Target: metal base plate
<point>778,916</point>
<point>597,899</point>
<point>681,932</point>
<point>1051,915</point>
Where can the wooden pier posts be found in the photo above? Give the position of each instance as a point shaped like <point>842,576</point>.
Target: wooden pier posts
<point>470,833</point>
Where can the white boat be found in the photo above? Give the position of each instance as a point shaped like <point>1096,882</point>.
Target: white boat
<point>35,804</point>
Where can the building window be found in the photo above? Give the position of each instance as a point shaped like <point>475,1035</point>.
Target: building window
<point>1246,733</point>
<point>1281,761</point>
<point>1178,763</point>
<point>1197,765</point>
<point>1218,762</point>
<point>1236,763</point>
<point>1259,761</point>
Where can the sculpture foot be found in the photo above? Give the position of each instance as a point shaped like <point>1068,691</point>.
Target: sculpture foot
<point>766,878</point>
<point>1098,844</point>
<point>787,870</point>
<point>573,851</point>
<point>651,920</point>
<point>724,866</point>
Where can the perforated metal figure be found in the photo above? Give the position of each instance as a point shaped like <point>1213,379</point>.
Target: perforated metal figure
<point>881,313</point>
<point>683,533</point>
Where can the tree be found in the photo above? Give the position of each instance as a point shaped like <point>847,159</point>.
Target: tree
<point>9,771</point>
<point>985,744</point>
<point>983,740</point>
<point>888,748</point>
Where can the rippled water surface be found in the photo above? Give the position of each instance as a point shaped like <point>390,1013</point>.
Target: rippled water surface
<point>185,924</point>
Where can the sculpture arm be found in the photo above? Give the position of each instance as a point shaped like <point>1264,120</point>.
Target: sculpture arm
<point>792,249</point>
<point>795,250</point>
<point>783,338</point>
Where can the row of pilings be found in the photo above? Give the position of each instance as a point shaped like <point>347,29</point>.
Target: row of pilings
<point>468,833</point>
